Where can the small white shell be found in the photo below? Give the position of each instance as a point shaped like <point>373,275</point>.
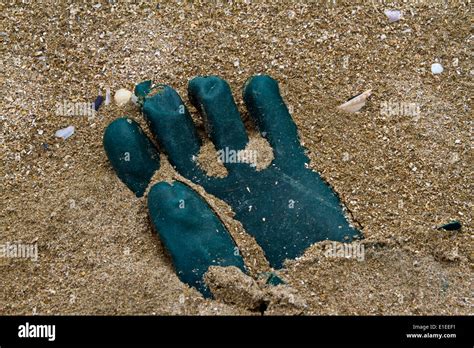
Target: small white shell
<point>65,132</point>
<point>122,96</point>
<point>393,15</point>
<point>436,68</point>
<point>107,96</point>
<point>356,103</point>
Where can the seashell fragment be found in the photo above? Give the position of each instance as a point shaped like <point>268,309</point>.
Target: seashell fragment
<point>65,132</point>
<point>107,96</point>
<point>355,103</point>
<point>122,96</point>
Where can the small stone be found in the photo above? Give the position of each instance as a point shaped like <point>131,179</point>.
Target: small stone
<point>393,15</point>
<point>40,131</point>
<point>454,158</point>
<point>383,37</point>
<point>436,68</point>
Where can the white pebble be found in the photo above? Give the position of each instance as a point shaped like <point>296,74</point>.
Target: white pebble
<point>65,132</point>
<point>383,37</point>
<point>393,15</point>
<point>122,96</point>
<point>436,68</point>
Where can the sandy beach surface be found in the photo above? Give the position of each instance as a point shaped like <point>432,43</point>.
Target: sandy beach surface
<point>401,173</point>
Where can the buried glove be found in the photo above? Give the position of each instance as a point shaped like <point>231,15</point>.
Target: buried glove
<point>286,207</point>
